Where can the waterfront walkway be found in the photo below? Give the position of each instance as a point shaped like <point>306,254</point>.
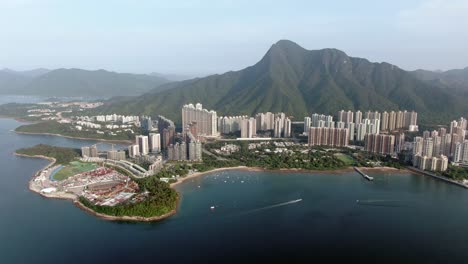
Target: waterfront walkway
<point>427,173</point>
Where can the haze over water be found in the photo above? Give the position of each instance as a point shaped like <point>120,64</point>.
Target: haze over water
<point>257,216</point>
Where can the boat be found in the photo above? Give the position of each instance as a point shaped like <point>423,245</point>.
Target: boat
<point>212,207</point>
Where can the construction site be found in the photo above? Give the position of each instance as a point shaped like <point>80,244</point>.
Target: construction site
<point>101,186</point>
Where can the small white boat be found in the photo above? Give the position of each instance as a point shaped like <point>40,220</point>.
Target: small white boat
<point>212,207</point>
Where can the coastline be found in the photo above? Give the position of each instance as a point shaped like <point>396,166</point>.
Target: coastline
<point>118,141</point>
<point>441,178</point>
<point>245,168</point>
<point>124,218</point>
<point>74,198</point>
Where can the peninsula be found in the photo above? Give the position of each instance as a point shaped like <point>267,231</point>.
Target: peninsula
<point>105,190</point>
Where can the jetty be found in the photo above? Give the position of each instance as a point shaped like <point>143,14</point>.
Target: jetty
<point>367,177</point>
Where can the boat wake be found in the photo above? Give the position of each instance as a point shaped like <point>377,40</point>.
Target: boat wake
<point>272,206</point>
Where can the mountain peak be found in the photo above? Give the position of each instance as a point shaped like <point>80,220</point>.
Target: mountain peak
<point>284,43</point>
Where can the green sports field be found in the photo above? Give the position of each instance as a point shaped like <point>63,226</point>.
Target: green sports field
<point>73,168</point>
<point>345,158</point>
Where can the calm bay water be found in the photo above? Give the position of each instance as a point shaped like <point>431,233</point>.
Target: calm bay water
<point>399,217</point>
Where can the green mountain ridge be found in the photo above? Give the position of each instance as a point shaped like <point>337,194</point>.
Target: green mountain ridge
<point>77,82</point>
<point>299,82</point>
<point>456,80</point>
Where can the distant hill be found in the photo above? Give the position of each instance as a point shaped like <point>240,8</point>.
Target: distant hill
<point>299,82</point>
<point>456,80</point>
<point>30,73</point>
<point>77,82</point>
<point>172,77</point>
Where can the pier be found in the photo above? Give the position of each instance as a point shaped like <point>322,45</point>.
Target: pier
<point>367,177</point>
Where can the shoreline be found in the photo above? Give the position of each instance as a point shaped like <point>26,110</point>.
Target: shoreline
<point>440,178</point>
<point>74,198</point>
<point>118,141</point>
<point>124,218</point>
<point>259,169</point>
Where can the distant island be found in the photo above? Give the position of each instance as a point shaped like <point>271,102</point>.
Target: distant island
<point>77,83</point>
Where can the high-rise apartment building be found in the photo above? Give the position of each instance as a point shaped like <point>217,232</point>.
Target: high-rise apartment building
<point>133,151</point>
<point>248,128</point>
<point>428,147</point>
<point>358,117</point>
<point>142,142</point>
<point>439,163</point>
<point>345,117</point>
<point>85,153</point>
<point>93,151</point>
<point>307,124</point>
<point>154,142</point>
<point>380,144</point>
<point>351,130</point>
<point>322,121</point>
<point>278,127</point>
<point>324,136</point>
<point>287,127</point>
<point>116,155</point>
<point>418,146</point>
<point>167,129</point>
<point>207,121</point>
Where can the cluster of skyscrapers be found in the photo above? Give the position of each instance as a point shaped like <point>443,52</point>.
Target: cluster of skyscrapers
<point>432,150</point>
<point>189,149</point>
<point>116,154</point>
<point>92,152</point>
<point>230,124</point>
<point>89,152</point>
<point>117,118</point>
<point>380,143</point>
<point>145,144</point>
<point>206,121</point>
<point>360,125</point>
<point>328,136</point>
<point>278,123</point>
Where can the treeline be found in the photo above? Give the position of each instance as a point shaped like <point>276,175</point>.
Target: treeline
<point>456,173</point>
<point>62,155</point>
<point>161,200</point>
<point>312,159</point>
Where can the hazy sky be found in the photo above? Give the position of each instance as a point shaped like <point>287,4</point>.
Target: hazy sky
<point>201,37</point>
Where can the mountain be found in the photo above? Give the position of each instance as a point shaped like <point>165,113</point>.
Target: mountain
<point>172,77</point>
<point>299,82</point>
<point>77,82</point>
<point>456,80</point>
<point>29,73</point>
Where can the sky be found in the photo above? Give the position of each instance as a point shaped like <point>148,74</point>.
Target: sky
<point>203,37</point>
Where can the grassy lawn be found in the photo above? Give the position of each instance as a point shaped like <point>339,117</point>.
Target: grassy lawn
<point>73,168</point>
<point>345,158</point>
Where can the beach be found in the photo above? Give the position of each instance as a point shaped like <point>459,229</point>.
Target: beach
<point>245,168</point>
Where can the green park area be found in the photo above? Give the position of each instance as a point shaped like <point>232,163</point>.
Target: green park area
<point>345,158</point>
<point>73,168</point>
